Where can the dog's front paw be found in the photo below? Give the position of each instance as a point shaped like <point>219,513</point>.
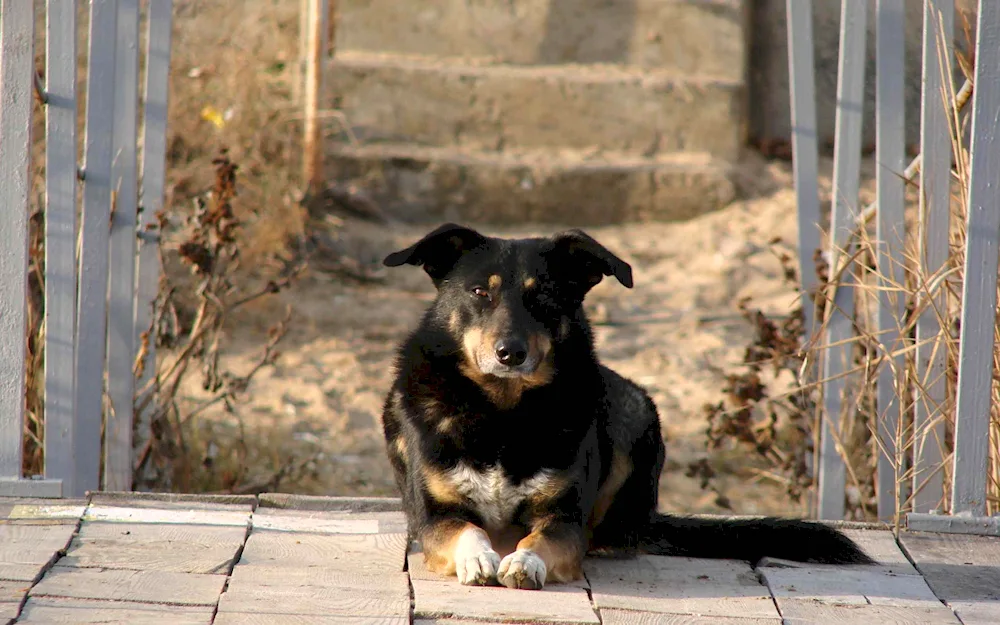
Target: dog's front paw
<point>478,569</point>
<point>522,569</point>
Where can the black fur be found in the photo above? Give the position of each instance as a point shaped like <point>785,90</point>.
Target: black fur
<point>451,409</point>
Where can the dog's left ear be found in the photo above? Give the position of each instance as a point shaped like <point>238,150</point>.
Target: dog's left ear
<point>438,251</point>
<point>586,261</point>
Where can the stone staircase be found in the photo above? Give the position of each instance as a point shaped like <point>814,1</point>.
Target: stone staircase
<point>568,111</point>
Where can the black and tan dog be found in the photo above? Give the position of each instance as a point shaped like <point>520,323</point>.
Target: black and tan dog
<point>516,451</point>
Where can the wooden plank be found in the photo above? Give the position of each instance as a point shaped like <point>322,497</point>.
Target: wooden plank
<point>81,611</point>
<point>880,545</point>
<point>290,523</point>
<point>167,500</point>
<point>192,534</point>
<point>723,588</point>
<point>91,329</point>
<point>979,292</point>
<point>361,553</point>
<point>315,600</point>
<point>16,487</point>
<point>320,504</point>
<point>60,240</point>
<point>805,149</point>
<point>121,294</point>
<point>846,586</point>
<point>798,612</point>
<point>840,329</point>
<point>28,543</point>
<point>628,617</point>
<point>555,604</point>
<point>957,567</point>
<point>152,555</point>
<point>933,240</point>
<point>384,522</point>
<point>243,618</point>
<point>952,524</point>
<point>154,156</point>
<point>140,586</point>
<point>262,576</point>
<point>235,518</point>
<point>977,612</point>
<point>17,67</point>
<point>890,72</point>
<point>69,511</point>
<point>20,572</point>
<point>12,595</point>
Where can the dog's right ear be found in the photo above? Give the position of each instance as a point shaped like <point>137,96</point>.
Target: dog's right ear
<point>438,251</point>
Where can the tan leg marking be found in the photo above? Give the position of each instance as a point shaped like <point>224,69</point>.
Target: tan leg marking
<point>621,469</point>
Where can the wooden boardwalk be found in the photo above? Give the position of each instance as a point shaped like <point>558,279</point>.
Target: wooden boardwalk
<point>280,559</point>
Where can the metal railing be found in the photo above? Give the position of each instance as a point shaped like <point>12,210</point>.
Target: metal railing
<point>914,406</point>
<point>95,308</point>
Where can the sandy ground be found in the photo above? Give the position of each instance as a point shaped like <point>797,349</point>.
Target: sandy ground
<point>677,333</point>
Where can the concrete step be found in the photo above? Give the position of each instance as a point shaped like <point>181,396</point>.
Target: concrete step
<point>567,187</point>
<point>696,37</point>
<point>454,102</point>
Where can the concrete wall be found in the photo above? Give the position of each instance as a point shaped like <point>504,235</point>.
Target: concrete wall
<point>769,112</point>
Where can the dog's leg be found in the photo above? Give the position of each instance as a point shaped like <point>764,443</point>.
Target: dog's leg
<point>456,547</point>
<point>552,551</point>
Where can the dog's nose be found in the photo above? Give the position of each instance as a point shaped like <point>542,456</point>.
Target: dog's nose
<point>511,352</point>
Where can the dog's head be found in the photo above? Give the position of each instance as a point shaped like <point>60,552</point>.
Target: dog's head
<point>508,302</point>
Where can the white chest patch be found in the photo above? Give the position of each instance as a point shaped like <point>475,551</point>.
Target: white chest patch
<point>492,494</point>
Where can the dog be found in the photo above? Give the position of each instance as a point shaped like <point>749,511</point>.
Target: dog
<point>515,450</point>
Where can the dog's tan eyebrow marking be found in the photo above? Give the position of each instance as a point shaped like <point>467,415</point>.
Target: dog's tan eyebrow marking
<point>495,281</point>
<point>529,283</point>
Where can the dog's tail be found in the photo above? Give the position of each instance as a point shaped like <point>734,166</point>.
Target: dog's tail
<point>749,539</point>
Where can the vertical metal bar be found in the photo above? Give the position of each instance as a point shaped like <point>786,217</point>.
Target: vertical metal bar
<point>312,148</point>
<point>121,299</point>
<point>979,295</point>
<point>935,218</point>
<point>890,144</point>
<point>17,70</point>
<point>805,149</point>
<point>60,239</point>
<point>840,328</point>
<point>91,330</point>
<point>154,154</point>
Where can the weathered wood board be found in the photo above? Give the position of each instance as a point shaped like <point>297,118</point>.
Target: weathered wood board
<point>137,586</point>
<point>316,600</point>
<point>801,612</point>
<point>555,604</point>
<point>52,611</point>
<point>293,576</point>
<point>628,617</point>
<point>361,553</point>
<point>333,521</point>
<point>847,586</point>
<point>177,514</point>
<point>962,570</point>
<point>68,511</point>
<point>30,543</point>
<point>242,618</point>
<point>717,588</point>
<point>156,546</point>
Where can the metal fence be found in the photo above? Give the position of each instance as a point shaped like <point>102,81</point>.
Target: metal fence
<point>99,227</point>
<point>915,453</point>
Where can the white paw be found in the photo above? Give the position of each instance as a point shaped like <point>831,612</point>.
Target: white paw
<point>478,569</point>
<point>522,569</point>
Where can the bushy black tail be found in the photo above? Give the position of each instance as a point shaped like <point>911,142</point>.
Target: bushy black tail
<point>749,539</point>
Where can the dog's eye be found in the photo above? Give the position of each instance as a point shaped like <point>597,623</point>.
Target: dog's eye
<point>481,292</point>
